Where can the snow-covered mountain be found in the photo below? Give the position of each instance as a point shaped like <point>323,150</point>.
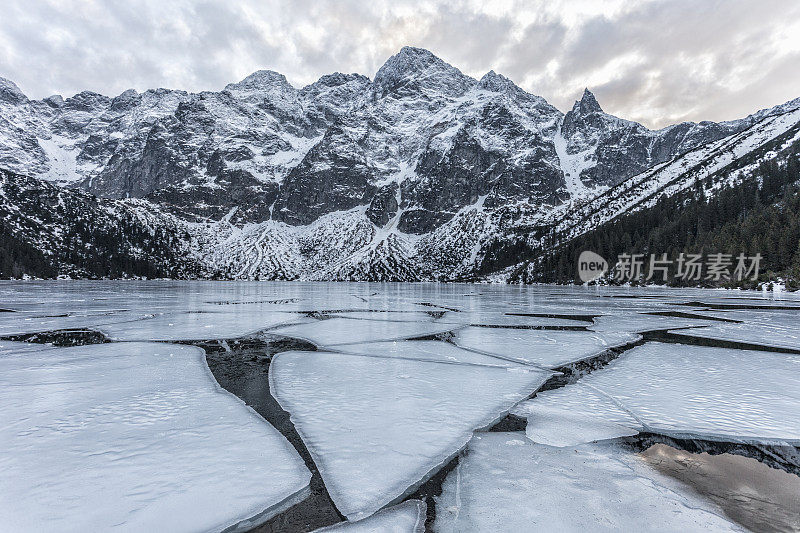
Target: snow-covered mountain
<point>418,173</point>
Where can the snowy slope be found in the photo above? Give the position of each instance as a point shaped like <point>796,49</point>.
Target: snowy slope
<point>682,172</point>
<point>416,174</point>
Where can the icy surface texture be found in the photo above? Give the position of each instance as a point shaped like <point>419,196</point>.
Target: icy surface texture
<point>10,348</point>
<point>425,350</point>
<point>777,328</point>
<point>573,415</point>
<point>376,427</point>
<point>459,302</point>
<point>197,325</point>
<point>32,322</point>
<point>643,322</point>
<point>392,316</point>
<point>713,393</point>
<point>134,437</point>
<point>407,517</point>
<point>335,331</point>
<point>540,347</point>
<point>493,318</point>
<point>505,483</point>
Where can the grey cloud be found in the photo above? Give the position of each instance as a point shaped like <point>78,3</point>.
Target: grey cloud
<point>688,60</point>
<point>469,40</point>
<point>688,52</point>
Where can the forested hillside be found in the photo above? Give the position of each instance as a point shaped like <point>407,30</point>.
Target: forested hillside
<point>761,214</point>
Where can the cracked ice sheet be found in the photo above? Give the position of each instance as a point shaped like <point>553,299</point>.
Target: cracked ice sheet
<point>378,427</point>
<point>335,331</point>
<point>774,329</point>
<point>196,326</point>
<point>682,391</point>
<point>390,316</point>
<point>134,437</point>
<point>436,351</point>
<point>637,323</point>
<point>503,319</point>
<point>12,348</point>
<point>563,306</point>
<point>573,415</point>
<point>505,483</point>
<point>25,322</point>
<point>788,300</point>
<point>407,517</point>
<point>775,316</point>
<point>549,349</point>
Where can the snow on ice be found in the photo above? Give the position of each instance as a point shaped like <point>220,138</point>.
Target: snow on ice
<point>407,517</point>
<point>548,349</point>
<point>377,427</point>
<point>337,331</point>
<point>505,483</point>
<point>134,437</point>
<point>692,391</point>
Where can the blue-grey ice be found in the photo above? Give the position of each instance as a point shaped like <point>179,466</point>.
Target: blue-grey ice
<point>426,351</point>
<point>695,391</point>
<point>392,316</point>
<point>377,427</point>
<point>500,318</point>
<point>543,348</point>
<point>134,437</point>
<point>335,331</point>
<point>406,517</point>
<point>640,322</point>
<point>779,329</point>
<point>507,483</point>
<point>197,325</point>
<point>575,414</point>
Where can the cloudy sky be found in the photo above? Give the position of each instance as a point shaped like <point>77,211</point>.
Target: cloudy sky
<point>654,61</point>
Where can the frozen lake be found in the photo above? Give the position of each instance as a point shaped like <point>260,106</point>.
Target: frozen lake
<point>265,406</point>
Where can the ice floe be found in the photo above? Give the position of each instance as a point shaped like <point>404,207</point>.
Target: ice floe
<point>573,415</point>
<point>637,322</point>
<point>377,427</point>
<point>549,349</point>
<point>407,517</point>
<point>394,316</point>
<point>776,330</point>
<point>426,351</point>
<point>506,483</point>
<point>128,435</point>
<point>11,348</point>
<point>335,331</point>
<point>504,319</point>
<point>678,390</point>
<point>196,325</point>
<point>27,322</point>
<point>134,437</point>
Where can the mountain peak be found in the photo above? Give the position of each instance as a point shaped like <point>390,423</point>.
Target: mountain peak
<point>260,80</point>
<point>126,100</point>
<point>9,92</point>
<point>407,61</point>
<point>338,78</point>
<point>587,104</point>
<point>422,66</point>
<point>415,55</point>
<point>492,81</point>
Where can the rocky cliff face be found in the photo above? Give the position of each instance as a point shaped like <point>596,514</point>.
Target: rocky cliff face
<point>432,163</point>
